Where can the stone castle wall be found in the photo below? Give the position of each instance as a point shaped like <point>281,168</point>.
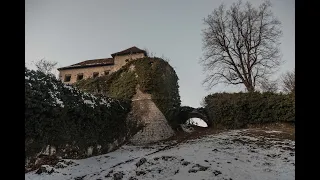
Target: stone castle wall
<point>87,72</point>
<point>156,127</point>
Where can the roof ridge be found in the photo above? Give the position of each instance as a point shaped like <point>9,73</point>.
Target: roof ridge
<point>91,60</point>
<point>106,61</point>
<point>133,49</point>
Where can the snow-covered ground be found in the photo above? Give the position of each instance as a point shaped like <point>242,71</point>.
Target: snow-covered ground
<point>236,154</point>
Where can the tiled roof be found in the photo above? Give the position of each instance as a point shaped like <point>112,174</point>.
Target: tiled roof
<point>91,63</point>
<point>132,50</point>
<point>104,61</point>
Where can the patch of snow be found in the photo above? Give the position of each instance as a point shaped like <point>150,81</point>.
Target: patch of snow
<point>54,86</point>
<point>58,101</point>
<point>89,102</point>
<point>47,150</point>
<point>104,102</point>
<point>68,87</point>
<point>217,156</point>
<point>273,131</point>
<point>53,150</point>
<point>90,150</point>
<point>99,147</point>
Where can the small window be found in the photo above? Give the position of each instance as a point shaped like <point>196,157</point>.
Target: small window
<point>95,74</point>
<point>79,77</point>
<point>67,78</point>
<point>127,60</point>
<point>106,72</point>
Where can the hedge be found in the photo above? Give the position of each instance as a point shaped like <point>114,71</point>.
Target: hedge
<point>236,110</point>
<point>58,114</point>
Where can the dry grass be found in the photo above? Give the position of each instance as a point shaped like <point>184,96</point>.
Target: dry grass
<point>286,131</point>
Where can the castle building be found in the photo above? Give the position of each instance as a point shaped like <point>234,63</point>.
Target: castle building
<point>99,67</point>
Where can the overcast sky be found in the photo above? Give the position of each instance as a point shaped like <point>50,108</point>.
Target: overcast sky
<point>70,31</point>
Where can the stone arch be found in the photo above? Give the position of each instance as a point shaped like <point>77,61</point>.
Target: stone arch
<point>187,113</point>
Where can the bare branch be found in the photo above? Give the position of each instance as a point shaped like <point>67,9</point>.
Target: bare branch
<point>269,86</point>
<point>45,66</point>
<point>288,82</point>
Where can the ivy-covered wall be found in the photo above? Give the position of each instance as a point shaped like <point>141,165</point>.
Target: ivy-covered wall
<point>153,75</point>
<point>63,116</point>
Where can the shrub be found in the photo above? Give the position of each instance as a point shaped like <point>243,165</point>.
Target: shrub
<point>57,114</point>
<point>236,110</point>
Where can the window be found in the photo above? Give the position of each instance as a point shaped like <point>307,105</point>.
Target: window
<point>79,77</point>
<point>106,72</point>
<point>67,78</point>
<point>127,60</point>
<point>95,74</point>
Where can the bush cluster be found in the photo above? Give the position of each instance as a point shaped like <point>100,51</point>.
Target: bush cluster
<point>236,110</point>
<point>58,114</point>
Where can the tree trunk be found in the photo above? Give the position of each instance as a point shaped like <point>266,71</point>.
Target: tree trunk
<point>250,88</point>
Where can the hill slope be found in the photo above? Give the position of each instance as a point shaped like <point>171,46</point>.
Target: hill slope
<point>238,154</point>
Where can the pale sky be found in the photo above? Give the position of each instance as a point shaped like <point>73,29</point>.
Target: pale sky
<point>71,31</point>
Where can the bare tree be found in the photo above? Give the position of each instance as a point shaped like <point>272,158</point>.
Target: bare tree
<point>45,66</point>
<point>241,45</point>
<point>269,86</point>
<point>149,53</point>
<point>165,58</point>
<point>288,82</point>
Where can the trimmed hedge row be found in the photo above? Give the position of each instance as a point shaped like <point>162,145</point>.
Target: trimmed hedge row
<point>153,75</point>
<point>57,114</point>
<point>236,110</point>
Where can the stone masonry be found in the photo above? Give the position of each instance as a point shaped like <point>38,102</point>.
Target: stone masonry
<point>155,124</point>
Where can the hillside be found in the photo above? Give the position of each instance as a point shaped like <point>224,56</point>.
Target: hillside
<point>93,130</point>
<point>255,153</point>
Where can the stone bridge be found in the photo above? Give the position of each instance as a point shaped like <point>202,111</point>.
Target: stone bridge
<point>187,112</point>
